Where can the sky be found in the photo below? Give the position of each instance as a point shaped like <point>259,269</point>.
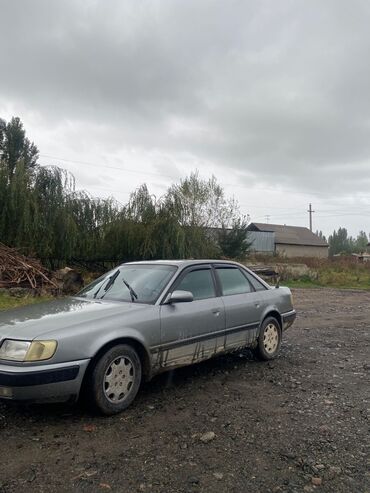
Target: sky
<point>272,98</point>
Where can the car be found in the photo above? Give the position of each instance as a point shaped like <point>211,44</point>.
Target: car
<point>134,322</point>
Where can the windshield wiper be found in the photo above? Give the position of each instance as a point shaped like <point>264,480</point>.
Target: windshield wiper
<point>109,284</point>
<point>132,292</point>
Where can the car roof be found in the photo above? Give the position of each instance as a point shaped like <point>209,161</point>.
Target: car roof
<point>183,262</point>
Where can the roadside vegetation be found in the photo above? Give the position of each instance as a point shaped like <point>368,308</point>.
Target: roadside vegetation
<point>341,243</point>
<point>42,213</point>
<point>7,301</point>
<point>331,281</point>
<point>337,272</point>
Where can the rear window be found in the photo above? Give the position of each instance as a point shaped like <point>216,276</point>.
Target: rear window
<point>232,281</point>
<point>258,286</point>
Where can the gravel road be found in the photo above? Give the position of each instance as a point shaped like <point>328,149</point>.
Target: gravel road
<point>232,424</point>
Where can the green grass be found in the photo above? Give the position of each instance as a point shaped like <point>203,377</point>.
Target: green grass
<point>7,301</point>
<point>332,279</point>
<point>301,284</point>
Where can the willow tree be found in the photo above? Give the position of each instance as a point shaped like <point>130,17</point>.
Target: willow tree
<point>15,147</point>
<point>203,210</point>
<point>41,212</point>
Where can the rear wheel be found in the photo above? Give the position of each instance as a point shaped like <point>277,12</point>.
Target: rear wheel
<point>269,339</point>
<point>115,379</point>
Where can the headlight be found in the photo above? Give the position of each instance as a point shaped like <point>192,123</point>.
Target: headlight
<point>14,350</point>
<point>26,350</point>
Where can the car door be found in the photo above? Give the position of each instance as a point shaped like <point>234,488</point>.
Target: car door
<point>192,331</point>
<point>243,306</point>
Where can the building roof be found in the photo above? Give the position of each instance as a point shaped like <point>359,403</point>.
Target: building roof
<point>289,235</point>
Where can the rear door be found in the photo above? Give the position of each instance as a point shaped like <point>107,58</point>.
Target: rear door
<point>192,331</point>
<point>243,306</point>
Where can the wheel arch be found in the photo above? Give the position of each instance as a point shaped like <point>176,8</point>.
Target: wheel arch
<point>131,341</point>
<point>272,312</point>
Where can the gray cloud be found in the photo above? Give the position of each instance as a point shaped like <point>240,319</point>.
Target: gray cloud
<point>271,92</point>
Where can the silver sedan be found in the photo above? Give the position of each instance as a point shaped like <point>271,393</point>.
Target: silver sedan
<point>134,322</point>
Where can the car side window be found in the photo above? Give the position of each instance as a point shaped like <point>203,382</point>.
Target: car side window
<point>258,286</point>
<point>198,282</point>
<point>232,281</point>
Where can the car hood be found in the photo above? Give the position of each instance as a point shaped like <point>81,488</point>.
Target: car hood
<point>32,321</point>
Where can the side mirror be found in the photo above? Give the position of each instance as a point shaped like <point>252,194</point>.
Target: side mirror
<point>180,297</point>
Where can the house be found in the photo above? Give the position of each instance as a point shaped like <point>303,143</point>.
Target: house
<point>289,241</point>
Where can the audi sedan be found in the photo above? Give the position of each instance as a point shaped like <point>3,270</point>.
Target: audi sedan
<point>134,322</point>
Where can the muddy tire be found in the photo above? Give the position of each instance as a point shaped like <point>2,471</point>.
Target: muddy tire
<point>115,380</point>
<point>269,339</point>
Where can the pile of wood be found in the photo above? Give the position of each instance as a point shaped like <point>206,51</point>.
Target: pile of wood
<point>263,271</point>
<point>16,270</point>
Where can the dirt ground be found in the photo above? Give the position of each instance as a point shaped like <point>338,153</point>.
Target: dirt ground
<point>297,424</point>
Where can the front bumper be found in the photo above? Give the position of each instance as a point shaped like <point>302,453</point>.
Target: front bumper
<point>42,383</point>
<point>288,319</point>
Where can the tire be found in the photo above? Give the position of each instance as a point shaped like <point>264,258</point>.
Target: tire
<point>269,339</point>
<point>115,380</point>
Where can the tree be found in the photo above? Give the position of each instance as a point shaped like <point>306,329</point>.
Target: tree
<point>233,242</point>
<point>321,235</point>
<point>340,242</point>
<point>361,242</point>
<point>41,213</point>
<point>141,206</point>
<point>200,207</point>
<point>201,202</point>
<point>15,147</point>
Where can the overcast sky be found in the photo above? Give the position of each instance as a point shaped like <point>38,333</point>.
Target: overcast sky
<point>272,97</point>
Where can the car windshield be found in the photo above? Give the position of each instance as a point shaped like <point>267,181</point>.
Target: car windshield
<point>132,282</point>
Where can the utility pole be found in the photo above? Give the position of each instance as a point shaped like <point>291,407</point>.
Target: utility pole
<point>310,212</point>
<point>267,216</point>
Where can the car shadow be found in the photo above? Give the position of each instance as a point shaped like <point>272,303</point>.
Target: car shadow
<point>173,379</point>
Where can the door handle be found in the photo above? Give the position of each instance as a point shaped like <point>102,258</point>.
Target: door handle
<point>257,305</point>
<point>216,312</point>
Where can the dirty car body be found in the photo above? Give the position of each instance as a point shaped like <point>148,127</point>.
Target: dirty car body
<point>170,313</point>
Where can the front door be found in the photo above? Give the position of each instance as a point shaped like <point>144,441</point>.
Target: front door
<point>243,307</point>
<point>192,331</point>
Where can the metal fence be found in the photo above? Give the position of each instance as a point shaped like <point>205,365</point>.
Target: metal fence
<point>262,242</point>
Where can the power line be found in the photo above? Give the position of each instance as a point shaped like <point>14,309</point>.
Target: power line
<point>104,166</point>
<point>270,189</point>
<point>366,214</point>
<point>152,173</point>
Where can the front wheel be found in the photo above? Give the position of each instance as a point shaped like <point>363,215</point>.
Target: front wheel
<point>115,379</point>
<point>269,339</point>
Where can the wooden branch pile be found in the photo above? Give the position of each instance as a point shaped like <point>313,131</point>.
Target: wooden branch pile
<point>16,270</point>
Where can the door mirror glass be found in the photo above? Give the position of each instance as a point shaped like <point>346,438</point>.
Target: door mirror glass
<point>179,296</point>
